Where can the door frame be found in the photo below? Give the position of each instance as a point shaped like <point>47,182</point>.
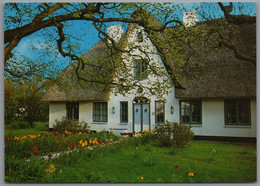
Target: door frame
<point>133,116</point>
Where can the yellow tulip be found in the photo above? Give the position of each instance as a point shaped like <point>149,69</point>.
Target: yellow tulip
<point>191,174</point>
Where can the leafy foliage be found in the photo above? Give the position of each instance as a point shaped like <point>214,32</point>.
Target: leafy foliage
<point>23,101</point>
<point>174,134</point>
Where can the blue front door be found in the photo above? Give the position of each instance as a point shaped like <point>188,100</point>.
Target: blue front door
<point>141,116</point>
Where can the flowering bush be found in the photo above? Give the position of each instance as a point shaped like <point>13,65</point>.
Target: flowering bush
<point>70,125</point>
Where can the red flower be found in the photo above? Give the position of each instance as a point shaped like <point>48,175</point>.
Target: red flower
<point>31,149</point>
<point>36,144</point>
<point>50,156</point>
<point>176,167</point>
<point>14,153</point>
<point>77,143</point>
<point>6,139</point>
<point>35,151</point>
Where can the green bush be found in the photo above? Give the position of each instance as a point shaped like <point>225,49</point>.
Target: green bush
<point>70,125</point>
<point>174,134</point>
<point>18,125</point>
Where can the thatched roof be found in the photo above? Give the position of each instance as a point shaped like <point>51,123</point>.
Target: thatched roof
<point>70,88</point>
<point>203,69</point>
<point>223,75</point>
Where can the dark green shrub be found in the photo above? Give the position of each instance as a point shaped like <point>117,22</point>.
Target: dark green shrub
<point>18,125</point>
<point>13,126</point>
<point>174,134</point>
<point>70,125</point>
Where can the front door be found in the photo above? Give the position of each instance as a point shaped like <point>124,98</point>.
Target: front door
<point>141,114</point>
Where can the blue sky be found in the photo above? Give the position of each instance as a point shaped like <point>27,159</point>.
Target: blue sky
<point>41,46</point>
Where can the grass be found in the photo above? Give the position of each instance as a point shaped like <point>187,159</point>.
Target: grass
<point>38,128</point>
<point>156,164</point>
<point>231,163</point>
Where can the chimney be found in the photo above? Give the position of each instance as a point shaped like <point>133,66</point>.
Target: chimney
<point>115,32</point>
<point>190,18</point>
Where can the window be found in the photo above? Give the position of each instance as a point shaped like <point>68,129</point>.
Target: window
<point>140,68</point>
<point>190,111</point>
<point>123,112</point>
<point>237,112</point>
<point>72,110</point>
<point>159,112</point>
<point>140,37</point>
<point>100,111</point>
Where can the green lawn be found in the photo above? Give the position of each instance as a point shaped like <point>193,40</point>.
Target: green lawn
<point>231,163</point>
<point>215,162</point>
<point>38,128</point>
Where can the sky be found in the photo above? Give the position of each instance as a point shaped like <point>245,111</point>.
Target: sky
<point>42,45</point>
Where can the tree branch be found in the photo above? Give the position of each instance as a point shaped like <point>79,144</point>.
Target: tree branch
<point>236,19</point>
<point>238,53</point>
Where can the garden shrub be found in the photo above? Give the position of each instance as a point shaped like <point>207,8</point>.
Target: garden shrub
<point>174,134</point>
<point>70,125</point>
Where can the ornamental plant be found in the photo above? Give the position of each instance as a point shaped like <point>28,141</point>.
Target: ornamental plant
<point>174,134</point>
<point>70,126</point>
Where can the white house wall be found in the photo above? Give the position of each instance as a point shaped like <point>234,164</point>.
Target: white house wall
<point>56,112</point>
<point>113,124</point>
<point>213,121</point>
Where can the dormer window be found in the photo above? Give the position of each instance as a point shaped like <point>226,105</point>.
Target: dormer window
<point>140,68</point>
<point>140,37</point>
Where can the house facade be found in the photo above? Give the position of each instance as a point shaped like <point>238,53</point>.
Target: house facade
<point>215,105</point>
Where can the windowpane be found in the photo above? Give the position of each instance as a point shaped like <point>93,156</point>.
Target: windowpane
<point>124,112</point>
<point>100,111</point>
<point>72,110</point>
<point>159,106</point>
<point>190,111</point>
<point>237,112</point>
<point>140,68</point>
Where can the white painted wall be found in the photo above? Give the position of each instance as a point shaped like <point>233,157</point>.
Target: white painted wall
<point>56,112</point>
<point>213,121</point>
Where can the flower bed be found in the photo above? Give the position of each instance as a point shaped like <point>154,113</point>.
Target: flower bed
<point>53,142</point>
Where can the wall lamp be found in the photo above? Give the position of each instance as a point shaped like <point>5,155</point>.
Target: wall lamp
<point>113,110</point>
